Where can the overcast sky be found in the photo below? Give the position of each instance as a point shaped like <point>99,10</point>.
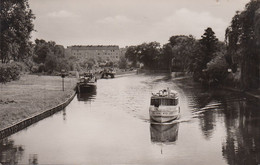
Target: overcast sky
<point>129,22</point>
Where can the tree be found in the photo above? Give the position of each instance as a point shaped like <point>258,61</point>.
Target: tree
<point>233,56</point>
<point>41,50</point>
<point>51,57</point>
<point>196,62</point>
<point>203,52</point>
<point>181,52</point>
<point>90,62</point>
<point>208,43</point>
<point>243,34</point>
<point>50,63</point>
<point>16,26</point>
<point>149,54</point>
<point>122,64</point>
<point>167,56</point>
<point>146,53</point>
<point>217,69</point>
<point>132,54</point>
<point>257,26</point>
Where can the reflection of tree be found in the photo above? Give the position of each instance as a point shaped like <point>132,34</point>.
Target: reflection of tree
<point>203,104</point>
<point>10,154</point>
<point>241,118</point>
<point>207,123</point>
<point>33,159</point>
<point>242,145</point>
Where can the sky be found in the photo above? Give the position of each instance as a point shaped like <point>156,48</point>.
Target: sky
<point>129,22</point>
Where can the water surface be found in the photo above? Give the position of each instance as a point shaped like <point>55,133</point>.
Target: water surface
<point>111,126</point>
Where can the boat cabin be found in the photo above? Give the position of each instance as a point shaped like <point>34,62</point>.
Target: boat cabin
<point>165,98</point>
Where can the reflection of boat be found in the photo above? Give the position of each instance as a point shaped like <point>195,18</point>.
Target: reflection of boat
<point>86,96</point>
<point>87,81</point>
<point>164,133</point>
<point>164,106</point>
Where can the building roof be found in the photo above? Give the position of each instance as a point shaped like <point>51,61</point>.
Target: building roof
<point>94,47</point>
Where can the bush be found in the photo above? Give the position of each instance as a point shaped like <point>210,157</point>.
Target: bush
<point>41,67</point>
<point>122,64</point>
<point>216,71</point>
<point>9,72</point>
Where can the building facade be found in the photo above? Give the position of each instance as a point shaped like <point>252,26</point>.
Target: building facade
<point>99,53</point>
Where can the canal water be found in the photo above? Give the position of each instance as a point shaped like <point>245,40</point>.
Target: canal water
<point>111,126</point>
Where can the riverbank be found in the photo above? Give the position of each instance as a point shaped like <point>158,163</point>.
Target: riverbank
<point>190,82</point>
<point>125,73</point>
<point>32,95</point>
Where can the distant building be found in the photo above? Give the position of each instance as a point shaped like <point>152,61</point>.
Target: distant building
<point>99,53</point>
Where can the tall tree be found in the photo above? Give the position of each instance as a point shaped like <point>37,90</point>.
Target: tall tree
<point>246,27</point>
<point>15,28</point>
<point>203,52</point>
<point>232,42</point>
<point>209,44</point>
<point>257,26</point>
<point>167,56</point>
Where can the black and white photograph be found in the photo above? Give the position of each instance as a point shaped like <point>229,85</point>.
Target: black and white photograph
<point>129,82</point>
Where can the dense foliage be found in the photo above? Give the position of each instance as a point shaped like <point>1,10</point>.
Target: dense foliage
<point>15,28</point>
<point>9,72</point>
<point>242,38</point>
<point>146,53</point>
<point>183,54</point>
<point>207,59</point>
<point>122,64</point>
<point>49,57</point>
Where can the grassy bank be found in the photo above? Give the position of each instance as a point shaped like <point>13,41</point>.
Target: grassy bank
<point>30,95</point>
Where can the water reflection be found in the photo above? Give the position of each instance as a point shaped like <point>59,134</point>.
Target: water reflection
<point>242,144</point>
<point>33,159</point>
<point>64,114</point>
<point>164,133</point>
<point>10,154</point>
<point>87,96</point>
<point>241,118</point>
<point>224,127</point>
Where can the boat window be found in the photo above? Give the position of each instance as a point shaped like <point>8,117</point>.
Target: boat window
<point>155,102</point>
<point>163,101</point>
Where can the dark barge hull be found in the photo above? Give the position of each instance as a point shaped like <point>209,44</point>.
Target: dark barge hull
<point>85,87</point>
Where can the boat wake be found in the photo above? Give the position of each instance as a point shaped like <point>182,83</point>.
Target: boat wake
<point>180,120</point>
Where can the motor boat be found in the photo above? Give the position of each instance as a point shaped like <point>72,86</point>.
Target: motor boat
<point>164,106</point>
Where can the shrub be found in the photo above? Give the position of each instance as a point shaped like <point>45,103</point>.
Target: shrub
<point>216,71</point>
<point>41,67</point>
<point>9,72</point>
